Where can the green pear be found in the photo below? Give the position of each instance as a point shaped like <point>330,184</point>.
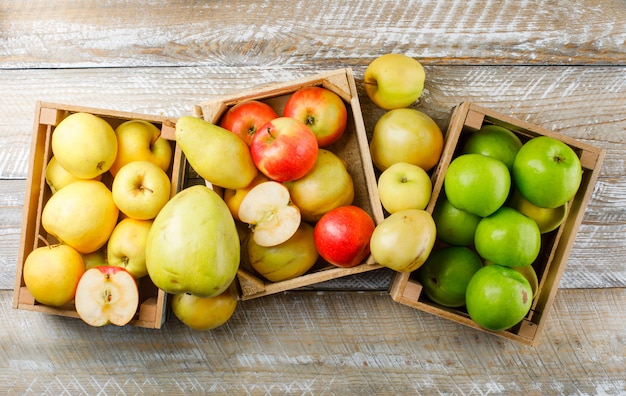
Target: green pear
<point>193,245</point>
<point>218,155</point>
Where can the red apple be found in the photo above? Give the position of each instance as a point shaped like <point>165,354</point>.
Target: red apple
<point>106,295</point>
<point>342,236</point>
<point>284,149</point>
<point>320,109</point>
<point>245,118</point>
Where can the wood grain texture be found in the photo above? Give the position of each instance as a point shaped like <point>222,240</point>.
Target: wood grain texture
<point>267,34</point>
<point>355,343</point>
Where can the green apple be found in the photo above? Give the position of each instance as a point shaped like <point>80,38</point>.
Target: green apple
<point>404,240</point>
<point>193,245</point>
<point>528,271</point>
<point>446,273</point>
<point>82,215</point>
<point>139,140</point>
<point>394,80</point>
<point>51,274</point>
<point>508,238</point>
<point>454,226</point>
<point>85,145</point>
<point>287,260</point>
<point>547,172</point>
<point>404,186</point>
<point>406,135</point>
<point>477,184</point>
<point>95,259</point>
<point>140,189</point>
<point>204,313</point>
<point>326,186</point>
<point>497,297</point>
<point>494,141</point>
<point>127,246</point>
<point>548,219</point>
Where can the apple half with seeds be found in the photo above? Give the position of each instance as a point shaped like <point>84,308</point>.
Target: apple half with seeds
<point>267,208</point>
<point>106,295</point>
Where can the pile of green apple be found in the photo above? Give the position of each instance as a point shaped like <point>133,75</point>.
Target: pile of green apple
<point>500,195</point>
<point>282,180</point>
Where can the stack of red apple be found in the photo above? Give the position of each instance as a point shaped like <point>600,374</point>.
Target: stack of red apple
<point>295,193</point>
<point>98,256</point>
<point>500,196</point>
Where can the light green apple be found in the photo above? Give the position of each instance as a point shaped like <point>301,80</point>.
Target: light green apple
<point>404,186</point>
<point>477,184</point>
<point>547,172</point>
<point>494,141</point>
<point>394,81</point>
<point>497,297</point>
<point>508,238</point>
<point>204,313</point>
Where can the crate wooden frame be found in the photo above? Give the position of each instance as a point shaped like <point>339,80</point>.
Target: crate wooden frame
<point>354,141</point>
<point>469,117</point>
<point>152,309</point>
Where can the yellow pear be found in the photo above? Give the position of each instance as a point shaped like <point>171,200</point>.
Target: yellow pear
<point>85,145</point>
<point>82,215</point>
<point>326,186</point>
<point>218,155</point>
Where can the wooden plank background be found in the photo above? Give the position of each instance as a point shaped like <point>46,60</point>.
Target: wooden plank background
<point>560,64</point>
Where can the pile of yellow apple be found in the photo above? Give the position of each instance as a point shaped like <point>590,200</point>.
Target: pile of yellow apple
<point>95,256</point>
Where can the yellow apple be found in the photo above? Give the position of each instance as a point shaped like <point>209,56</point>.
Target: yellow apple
<point>204,313</point>
<point>95,259</point>
<point>51,274</point>
<point>82,215</point>
<point>403,241</point>
<point>141,189</point>
<point>404,186</point>
<point>233,198</point>
<point>548,219</point>
<point>394,80</point>
<point>287,260</point>
<point>85,145</point>
<point>127,246</point>
<point>326,186</point>
<point>406,135</point>
<point>57,177</point>
<point>139,140</point>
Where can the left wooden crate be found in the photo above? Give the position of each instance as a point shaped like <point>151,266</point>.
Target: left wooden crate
<point>152,305</point>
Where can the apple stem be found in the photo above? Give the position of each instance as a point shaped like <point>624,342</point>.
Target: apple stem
<point>44,240</point>
<point>361,81</point>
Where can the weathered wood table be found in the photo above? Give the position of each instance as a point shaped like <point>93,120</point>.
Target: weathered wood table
<point>559,64</point>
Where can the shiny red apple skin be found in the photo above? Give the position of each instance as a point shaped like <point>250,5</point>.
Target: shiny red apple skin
<point>245,118</point>
<point>320,109</point>
<point>342,236</point>
<point>284,149</point>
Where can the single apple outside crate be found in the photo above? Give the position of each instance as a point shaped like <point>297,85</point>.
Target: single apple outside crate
<point>556,245</point>
<point>152,304</point>
<point>352,147</point>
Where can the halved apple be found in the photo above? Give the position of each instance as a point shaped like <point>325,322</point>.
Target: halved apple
<point>267,208</point>
<point>106,295</point>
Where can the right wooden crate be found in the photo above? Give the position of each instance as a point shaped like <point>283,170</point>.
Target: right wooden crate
<point>556,245</point>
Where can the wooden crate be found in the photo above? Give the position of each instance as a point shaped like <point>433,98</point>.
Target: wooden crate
<point>152,308</point>
<point>556,245</point>
<point>353,147</point>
